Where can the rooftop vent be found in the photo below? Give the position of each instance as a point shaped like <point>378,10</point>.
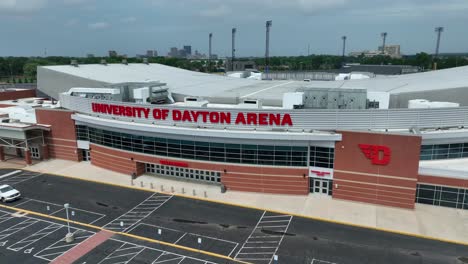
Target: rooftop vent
<point>145,61</point>
<point>124,61</point>
<point>74,63</point>
<point>103,62</point>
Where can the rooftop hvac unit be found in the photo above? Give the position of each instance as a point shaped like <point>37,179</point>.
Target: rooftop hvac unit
<point>103,62</point>
<point>124,61</point>
<point>145,61</point>
<point>74,63</point>
<point>159,95</point>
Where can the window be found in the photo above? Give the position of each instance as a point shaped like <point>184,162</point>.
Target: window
<point>322,157</point>
<point>209,151</point>
<point>444,151</point>
<point>442,196</point>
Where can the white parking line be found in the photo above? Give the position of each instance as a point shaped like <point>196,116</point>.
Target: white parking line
<point>135,215</point>
<point>10,173</point>
<point>260,246</point>
<point>35,237</point>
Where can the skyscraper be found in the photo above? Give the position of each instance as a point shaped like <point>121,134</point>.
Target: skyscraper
<point>188,50</point>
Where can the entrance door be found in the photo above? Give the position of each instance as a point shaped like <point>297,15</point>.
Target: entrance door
<point>86,155</point>
<point>35,153</point>
<point>320,186</point>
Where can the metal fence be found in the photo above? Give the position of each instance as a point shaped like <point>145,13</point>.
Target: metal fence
<point>300,75</point>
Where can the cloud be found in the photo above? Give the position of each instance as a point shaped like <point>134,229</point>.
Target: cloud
<point>129,20</point>
<point>99,25</point>
<point>218,11</point>
<point>21,6</point>
<point>72,22</point>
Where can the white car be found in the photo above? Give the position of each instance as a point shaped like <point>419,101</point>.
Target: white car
<point>8,193</point>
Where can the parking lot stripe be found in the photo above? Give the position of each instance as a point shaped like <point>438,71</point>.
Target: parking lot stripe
<point>34,237</point>
<point>16,228</point>
<point>263,209</point>
<point>125,222</point>
<point>10,173</point>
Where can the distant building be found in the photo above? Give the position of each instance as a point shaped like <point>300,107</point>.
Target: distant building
<point>151,53</point>
<point>113,53</point>
<point>188,50</point>
<point>391,50</point>
<point>239,65</point>
<point>90,55</point>
<point>174,52</point>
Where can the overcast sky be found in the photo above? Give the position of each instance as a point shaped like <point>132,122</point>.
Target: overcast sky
<point>78,27</point>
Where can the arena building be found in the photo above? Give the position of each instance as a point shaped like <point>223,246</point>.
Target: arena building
<point>369,140</point>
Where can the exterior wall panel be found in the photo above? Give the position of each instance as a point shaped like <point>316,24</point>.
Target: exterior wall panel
<point>357,178</point>
<point>234,177</point>
<point>61,138</point>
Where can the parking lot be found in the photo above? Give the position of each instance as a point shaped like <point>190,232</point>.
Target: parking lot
<point>245,234</point>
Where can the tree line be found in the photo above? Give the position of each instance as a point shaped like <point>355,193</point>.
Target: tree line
<point>24,69</point>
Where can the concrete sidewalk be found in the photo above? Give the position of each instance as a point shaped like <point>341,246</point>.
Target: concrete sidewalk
<point>438,222</point>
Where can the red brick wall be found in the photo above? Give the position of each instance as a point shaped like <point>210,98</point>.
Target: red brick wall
<point>358,179</point>
<point>11,95</point>
<point>236,177</point>
<point>62,137</point>
<point>444,181</point>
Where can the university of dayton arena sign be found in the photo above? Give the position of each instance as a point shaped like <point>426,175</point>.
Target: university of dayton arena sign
<point>194,116</point>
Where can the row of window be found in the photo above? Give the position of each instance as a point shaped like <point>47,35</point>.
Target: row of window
<point>322,157</point>
<point>210,151</point>
<point>442,196</point>
<point>193,174</point>
<point>444,151</point>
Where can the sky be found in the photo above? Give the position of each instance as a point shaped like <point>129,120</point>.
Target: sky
<point>79,27</point>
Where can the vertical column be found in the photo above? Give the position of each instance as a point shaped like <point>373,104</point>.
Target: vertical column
<point>27,157</point>
<point>139,168</point>
<point>45,152</point>
<point>2,154</point>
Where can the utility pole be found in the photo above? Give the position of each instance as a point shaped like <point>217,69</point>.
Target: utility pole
<point>344,49</point>
<point>439,31</point>
<point>209,52</point>
<point>234,30</point>
<point>384,38</point>
<point>267,48</point>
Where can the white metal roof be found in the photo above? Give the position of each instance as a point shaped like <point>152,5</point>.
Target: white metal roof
<point>202,84</point>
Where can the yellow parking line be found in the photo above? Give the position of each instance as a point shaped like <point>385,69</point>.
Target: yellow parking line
<point>125,234</point>
<point>269,210</point>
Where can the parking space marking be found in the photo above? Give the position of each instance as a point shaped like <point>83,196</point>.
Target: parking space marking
<point>5,217</point>
<point>318,261</point>
<point>35,237</point>
<point>60,247</point>
<point>163,256</point>
<point>10,173</point>
<point>124,254</point>
<point>126,221</point>
<point>233,244</point>
<point>24,176</point>
<point>50,205</point>
<point>265,239</point>
<point>16,228</point>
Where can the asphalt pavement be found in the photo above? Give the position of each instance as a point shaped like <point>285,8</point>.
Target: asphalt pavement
<point>245,234</point>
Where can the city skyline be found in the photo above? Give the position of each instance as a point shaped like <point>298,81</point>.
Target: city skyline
<point>79,27</point>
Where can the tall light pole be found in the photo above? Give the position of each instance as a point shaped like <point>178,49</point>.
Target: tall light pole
<point>234,30</point>
<point>267,46</point>
<point>69,236</point>
<point>209,52</point>
<point>439,31</point>
<point>384,38</point>
<point>344,49</point>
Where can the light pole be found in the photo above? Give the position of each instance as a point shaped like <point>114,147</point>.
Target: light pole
<point>234,30</point>
<point>344,49</point>
<point>384,38</point>
<point>267,46</point>
<point>210,36</point>
<point>439,31</point>
<point>69,237</point>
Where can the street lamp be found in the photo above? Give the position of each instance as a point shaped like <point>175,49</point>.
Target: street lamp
<point>69,236</point>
